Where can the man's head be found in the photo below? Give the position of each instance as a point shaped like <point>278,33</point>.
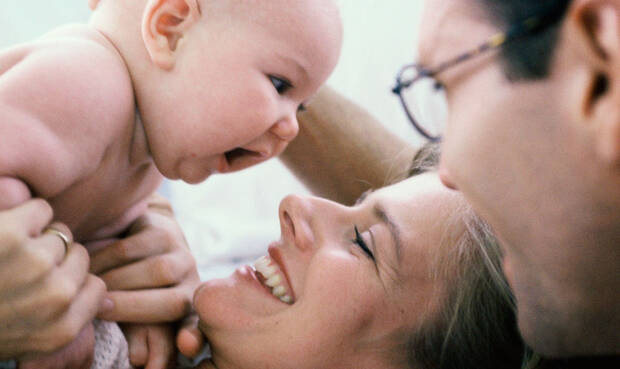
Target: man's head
<point>533,140</point>
<point>218,83</point>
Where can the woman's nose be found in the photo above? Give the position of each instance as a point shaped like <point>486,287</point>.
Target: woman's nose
<point>309,222</point>
<point>297,221</point>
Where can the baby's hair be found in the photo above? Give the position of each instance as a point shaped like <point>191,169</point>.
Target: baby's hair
<point>476,324</point>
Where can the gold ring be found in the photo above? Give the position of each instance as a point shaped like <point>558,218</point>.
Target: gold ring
<point>62,236</point>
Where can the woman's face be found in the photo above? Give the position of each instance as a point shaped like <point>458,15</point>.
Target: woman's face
<point>346,308</point>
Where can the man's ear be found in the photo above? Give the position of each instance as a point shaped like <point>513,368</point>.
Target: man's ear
<point>164,23</point>
<point>599,22</point>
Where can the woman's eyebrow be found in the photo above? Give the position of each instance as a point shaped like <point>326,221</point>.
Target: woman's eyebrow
<point>380,213</point>
<point>363,196</point>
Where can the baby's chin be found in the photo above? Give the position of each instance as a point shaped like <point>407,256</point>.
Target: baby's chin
<point>192,172</point>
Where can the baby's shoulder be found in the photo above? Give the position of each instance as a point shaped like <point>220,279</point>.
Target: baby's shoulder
<point>73,68</point>
<point>64,99</point>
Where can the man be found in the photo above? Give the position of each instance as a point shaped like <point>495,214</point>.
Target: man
<point>532,139</point>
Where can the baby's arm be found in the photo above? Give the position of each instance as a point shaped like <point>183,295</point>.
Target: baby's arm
<point>151,276</point>
<point>45,99</point>
<point>63,103</point>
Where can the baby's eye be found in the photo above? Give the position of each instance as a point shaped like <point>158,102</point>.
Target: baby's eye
<point>281,85</point>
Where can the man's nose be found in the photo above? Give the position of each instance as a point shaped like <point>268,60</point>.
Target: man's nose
<point>446,178</point>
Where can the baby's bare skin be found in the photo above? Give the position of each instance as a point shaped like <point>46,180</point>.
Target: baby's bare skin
<point>44,129</point>
<point>95,115</point>
<point>96,186</point>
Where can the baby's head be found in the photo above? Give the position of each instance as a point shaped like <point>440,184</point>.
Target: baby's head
<point>218,83</point>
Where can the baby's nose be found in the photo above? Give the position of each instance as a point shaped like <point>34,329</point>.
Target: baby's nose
<point>286,129</point>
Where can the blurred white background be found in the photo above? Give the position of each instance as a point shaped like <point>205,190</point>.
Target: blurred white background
<point>231,219</point>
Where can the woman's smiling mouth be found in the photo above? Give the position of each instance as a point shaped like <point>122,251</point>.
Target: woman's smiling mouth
<point>272,277</point>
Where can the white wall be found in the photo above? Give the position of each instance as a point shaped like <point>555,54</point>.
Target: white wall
<point>236,214</point>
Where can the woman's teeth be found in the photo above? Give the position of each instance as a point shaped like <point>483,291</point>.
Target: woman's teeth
<point>273,278</point>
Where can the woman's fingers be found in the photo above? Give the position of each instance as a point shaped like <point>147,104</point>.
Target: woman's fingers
<point>45,301</point>
<point>128,250</point>
<point>155,272</point>
<point>149,306</point>
<point>34,214</point>
<point>47,294</point>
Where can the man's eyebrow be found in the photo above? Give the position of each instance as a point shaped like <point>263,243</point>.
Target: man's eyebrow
<point>380,213</point>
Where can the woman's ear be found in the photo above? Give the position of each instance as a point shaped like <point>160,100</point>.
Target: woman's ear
<point>164,23</point>
<point>599,22</point>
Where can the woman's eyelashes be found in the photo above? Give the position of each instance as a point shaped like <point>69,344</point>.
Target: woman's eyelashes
<point>359,240</point>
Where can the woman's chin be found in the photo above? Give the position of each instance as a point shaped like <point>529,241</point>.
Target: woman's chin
<point>237,302</point>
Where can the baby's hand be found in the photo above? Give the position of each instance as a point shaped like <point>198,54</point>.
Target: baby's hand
<point>190,340</point>
<point>76,355</point>
<point>150,345</point>
<point>151,275</point>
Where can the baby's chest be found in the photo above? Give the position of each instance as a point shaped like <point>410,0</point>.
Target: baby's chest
<point>104,203</point>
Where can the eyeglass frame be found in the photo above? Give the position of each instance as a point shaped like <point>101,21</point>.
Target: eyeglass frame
<point>528,26</point>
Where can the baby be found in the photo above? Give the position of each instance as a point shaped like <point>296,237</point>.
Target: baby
<point>94,116</point>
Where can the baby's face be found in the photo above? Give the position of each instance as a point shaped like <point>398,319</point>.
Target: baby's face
<point>240,77</point>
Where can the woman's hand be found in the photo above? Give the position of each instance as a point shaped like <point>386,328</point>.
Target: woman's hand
<point>76,355</point>
<point>48,297</point>
<point>151,276</point>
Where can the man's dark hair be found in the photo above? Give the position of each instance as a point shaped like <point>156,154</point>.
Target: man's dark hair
<point>528,57</point>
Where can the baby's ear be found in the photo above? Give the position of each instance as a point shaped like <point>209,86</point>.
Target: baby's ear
<point>164,23</point>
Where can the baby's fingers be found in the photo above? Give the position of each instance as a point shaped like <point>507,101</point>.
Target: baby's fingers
<point>160,339</point>
<point>137,344</point>
<point>190,340</point>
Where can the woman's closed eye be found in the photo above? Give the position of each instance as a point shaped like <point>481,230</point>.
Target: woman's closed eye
<point>359,240</point>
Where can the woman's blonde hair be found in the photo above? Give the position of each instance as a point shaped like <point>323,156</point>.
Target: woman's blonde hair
<point>476,326</point>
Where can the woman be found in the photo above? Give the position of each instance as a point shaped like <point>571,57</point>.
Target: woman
<point>376,285</point>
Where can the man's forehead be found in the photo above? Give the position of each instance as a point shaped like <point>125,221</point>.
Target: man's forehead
<point>451,27</point>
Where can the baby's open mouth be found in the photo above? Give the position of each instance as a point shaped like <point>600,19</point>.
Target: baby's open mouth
<point>238,153</point>
<point>270,275</point>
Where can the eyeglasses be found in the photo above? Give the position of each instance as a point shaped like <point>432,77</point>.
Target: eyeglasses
<point>423,96</point>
